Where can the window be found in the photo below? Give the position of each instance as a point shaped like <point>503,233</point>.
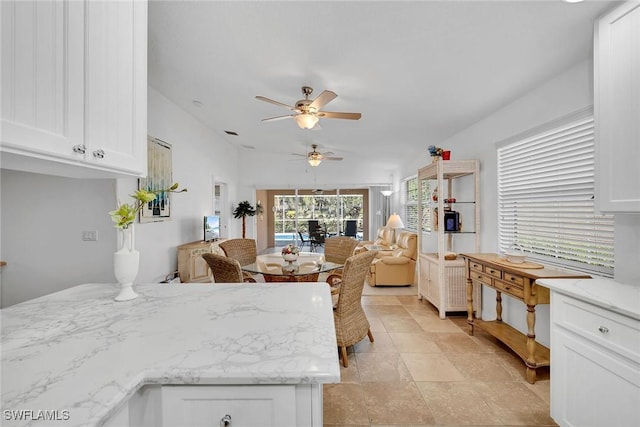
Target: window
<point>409,200</point>
<point>546,198</point>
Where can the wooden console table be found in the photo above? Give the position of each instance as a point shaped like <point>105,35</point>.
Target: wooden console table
<point>520,283</point>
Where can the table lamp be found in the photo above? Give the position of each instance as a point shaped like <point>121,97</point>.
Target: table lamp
<point>395,222</point>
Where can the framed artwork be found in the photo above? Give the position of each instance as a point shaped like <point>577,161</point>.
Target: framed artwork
<point>158,178</point>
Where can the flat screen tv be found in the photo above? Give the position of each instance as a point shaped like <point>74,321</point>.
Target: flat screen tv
<point>211,227</point>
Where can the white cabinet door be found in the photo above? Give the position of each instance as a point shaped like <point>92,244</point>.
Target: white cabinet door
<point>590,386</point>
<point>617,110</point>
<point>246,405</point>
<point>74,87</point>
<point>116,85</point>
<point>42,78</point>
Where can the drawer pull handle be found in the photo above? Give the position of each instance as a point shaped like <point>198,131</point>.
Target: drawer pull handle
<point>507,287</point>
<point>603,329</point>
<point>80,149</point>
<point>225,421</point>
<point>98,154</point>
<point>513,279</point>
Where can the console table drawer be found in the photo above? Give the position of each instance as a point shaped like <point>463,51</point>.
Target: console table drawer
<point>514,279</point>
<point>611,330</point>
<point>493,272</point>
<point>485,279</point>
<point>509,288</point>
<point>476,266</point>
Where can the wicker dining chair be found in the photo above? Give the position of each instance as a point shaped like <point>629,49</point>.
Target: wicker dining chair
<point>350,320</point>
<point>225,270</point>
<point>242,250</point>
<point>337,249</point>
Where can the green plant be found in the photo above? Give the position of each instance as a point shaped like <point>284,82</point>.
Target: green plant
<point>243,210</point>
<point>126,213</point>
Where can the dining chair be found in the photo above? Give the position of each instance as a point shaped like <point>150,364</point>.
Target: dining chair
<point>350,320</point>
<point>225,269</point>
<point>243,250</point>
<point>337,249</point>
<point>304,241</point>
<point>351,228</point>
<point>316,239</point>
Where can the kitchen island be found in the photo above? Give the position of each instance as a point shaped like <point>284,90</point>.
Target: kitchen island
<point>77,358</point>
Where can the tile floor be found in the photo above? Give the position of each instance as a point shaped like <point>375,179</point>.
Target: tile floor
<point>423,371</point>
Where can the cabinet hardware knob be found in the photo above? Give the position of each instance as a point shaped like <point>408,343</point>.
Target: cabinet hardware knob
<point>98,154</point>
<point>512,279</point>
<point>80,149</point>
<point>225,421</point>
<point>603,329</point>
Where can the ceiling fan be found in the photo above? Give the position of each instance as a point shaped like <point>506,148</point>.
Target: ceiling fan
<point>315,157</point>
<point>307,112</point>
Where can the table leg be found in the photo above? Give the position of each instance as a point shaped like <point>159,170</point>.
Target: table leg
<point>470,304</point>
<point>498,306</point>
<point>531,344</point>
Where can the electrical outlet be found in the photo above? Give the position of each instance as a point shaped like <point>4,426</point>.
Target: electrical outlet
<point>89,236</point>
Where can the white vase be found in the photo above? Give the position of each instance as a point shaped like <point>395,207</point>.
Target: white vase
<point>125,264</point>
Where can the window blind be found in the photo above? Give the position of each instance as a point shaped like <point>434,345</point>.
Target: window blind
<point>409,200</point>
<point>546,199</point>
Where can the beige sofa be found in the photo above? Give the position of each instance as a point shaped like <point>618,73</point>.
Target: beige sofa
<point>396,267</point>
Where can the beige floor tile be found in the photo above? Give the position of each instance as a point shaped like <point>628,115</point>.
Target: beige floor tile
<point>344,404</point>
<point>382,343</point>
<point>376,325</point>
<point>432,323</point>
<point>414,342</point>
<point>385,310</point>
<point>542,388</point>
<point>382,367</point>
<point>400,324</point>
<point>480,366</point>
<point>409,300</point>
<point>431,367</point>
<point>514,403</point>
<point>457,342</point>
<point>456,403</point>
<point>350,373</point>
<point>406,407</point>
<point>380,300</point>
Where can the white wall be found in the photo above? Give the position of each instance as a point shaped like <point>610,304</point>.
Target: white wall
<point>199,154</point>
<point>42,222</point>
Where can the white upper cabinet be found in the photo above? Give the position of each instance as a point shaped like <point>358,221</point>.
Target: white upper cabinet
<point>617,109</point>
<point>74,87</point>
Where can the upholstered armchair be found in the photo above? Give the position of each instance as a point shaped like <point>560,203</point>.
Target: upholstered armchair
<point>384,238</point>
<point>396,267</point>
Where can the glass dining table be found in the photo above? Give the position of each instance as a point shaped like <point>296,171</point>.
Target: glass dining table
<point>307,268</point>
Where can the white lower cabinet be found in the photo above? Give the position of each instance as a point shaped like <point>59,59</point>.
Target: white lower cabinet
<point>595,369</point>
<point>294,405</point>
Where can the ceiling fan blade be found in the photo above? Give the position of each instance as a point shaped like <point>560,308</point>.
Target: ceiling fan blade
<point>323,99</point>
<point>328,153</point>
<point>332,158</point>
<point>335,115</point>
<point>272,119</point>
<point>297,154</point>
<point>271,101</point>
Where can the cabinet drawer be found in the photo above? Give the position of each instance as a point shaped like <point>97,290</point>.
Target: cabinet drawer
<point>611,330</point>
<point>509,288</point>
<point>493,272</point>
<point>199,252</point>
<point>485,279</point>
<point>476,266</point>
<point>250,405</point>
<point>513,279</point>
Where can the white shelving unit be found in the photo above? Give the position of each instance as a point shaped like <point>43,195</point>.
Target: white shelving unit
<point>443,282</point>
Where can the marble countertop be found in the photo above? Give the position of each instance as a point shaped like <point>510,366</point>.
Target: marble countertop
<point>618,297</point>
<point>80,351</point>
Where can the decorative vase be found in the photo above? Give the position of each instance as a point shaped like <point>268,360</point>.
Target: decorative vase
<point>125,264</point>
<point>446,155</point>
<point>290,257</point>
<point>290,267</point>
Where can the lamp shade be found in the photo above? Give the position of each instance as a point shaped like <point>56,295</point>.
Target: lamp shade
<point>306,121</point>
<point>314,162</point>
<point>386,193</point>
<point>395,221</point>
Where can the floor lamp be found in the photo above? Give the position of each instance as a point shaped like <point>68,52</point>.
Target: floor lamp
<point>395,222</point>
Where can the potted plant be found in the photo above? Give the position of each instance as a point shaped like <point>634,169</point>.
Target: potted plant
<point>243,210</point>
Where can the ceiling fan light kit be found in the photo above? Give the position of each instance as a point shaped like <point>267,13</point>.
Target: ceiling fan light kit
<point>306,121</point>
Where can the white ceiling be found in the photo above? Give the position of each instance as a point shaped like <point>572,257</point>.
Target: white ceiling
<point>417,71</point>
